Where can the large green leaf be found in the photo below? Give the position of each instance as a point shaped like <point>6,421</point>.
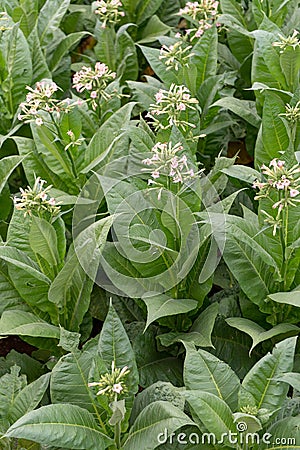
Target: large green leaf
<point>9,296</point>
<point>70,291</point>
<point>205,372</point>
<point>127,56</point>
<point>10,385</point>
<point>200,332</point>
<point>274,135</point>
<point>40,67</point>
<point>64,425</point>
<point>7,166</point>
<point>29,397</point>
<point>205,56</point>
<point>114,345</point>
<point>154,29</point>
<point>287,433</point>
<point>213,412</point>
<point>43,240</point>
<point>289,298</point>
<point>49,19</point>
<point>146,9</point>
<point>260,380</point>
<point>152,56</point>
<point>73,370</point>
<point>258,333</point>
<point>247,259</point>
<point>162,305</point>
<point>152,422</point>
<point>29,281</point>
<point>106,136</point>
<point>22,323</point>
<point>63,47</point>
<point>243,108</point>
<point>18,67</point>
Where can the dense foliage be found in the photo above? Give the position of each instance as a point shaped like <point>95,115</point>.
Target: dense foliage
<point>149,231</point>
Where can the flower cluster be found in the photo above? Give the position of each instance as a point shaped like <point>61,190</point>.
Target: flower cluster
<point>170,106</point>
<point>166,162</point>
<point>4,17</point>
<point>175,56</point>
<point>285,182</point>
<point>108,12</point>
<point>73,142</point>
<point>41,98</point>
<point>112,384</point>
<point>292,113</point>
<point>203,14</point>
<point>290,41</point>
<point>94,82</point>
<point>37,200</point>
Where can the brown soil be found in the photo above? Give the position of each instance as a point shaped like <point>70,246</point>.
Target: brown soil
<point>14,342</point>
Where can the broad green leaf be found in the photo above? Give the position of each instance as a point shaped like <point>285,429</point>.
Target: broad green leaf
<point>60,425</point>
<point>266,55</point>
<point>7,166</point>
<point>40,67</point>
<point>152,56</point>
<point>213,412</point>
<point>274,135</point>
<point>291,378</point>
<point>18,67</point>
<point>246,258</point>
<point>290,64</point>
<point>29,397</point>
<point>114,345</point>
<point>73,370</point>
<point>153,29</point>
<point>289,298</point>
<point>243,108</point>
<point>9,296</point>
<point>22,323</point>
<point>10,385</point>
<point>146,9</point>
<point>286,432</point>
<point>200,332</point>
<point>29,281</point>
<point>70,291</point>
<point>260,380</point>
<point>63,47</point>
<point>243,173</point>
<point>205,56</point>
<point>152,421</point>
<point>49,19</point>
<point>107,134</point>
<point>205,372</point>
<point>61,165</point>
<point>127,61</point>
<point>43,240</point>
<point>259,334</point>
<point>155,365</point>
<point>162,305</point>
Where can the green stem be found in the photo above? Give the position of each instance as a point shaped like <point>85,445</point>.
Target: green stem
<point>118,434</point>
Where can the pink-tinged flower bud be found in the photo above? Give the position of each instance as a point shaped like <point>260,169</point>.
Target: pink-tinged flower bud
<point>94,94</point>
<point>52,201</point>
<point>181,107</point>
<point>39,121</point>
<point>280,164</point>
<point>117,388</point>
<point>155,174</point>
<point>273,163</point>
<point>294,192</point>
<point>43,196</point>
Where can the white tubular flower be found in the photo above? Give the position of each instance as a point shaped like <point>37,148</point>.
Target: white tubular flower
<point>93,82</point>
<point>169,105</point>
<point>108,12</point>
